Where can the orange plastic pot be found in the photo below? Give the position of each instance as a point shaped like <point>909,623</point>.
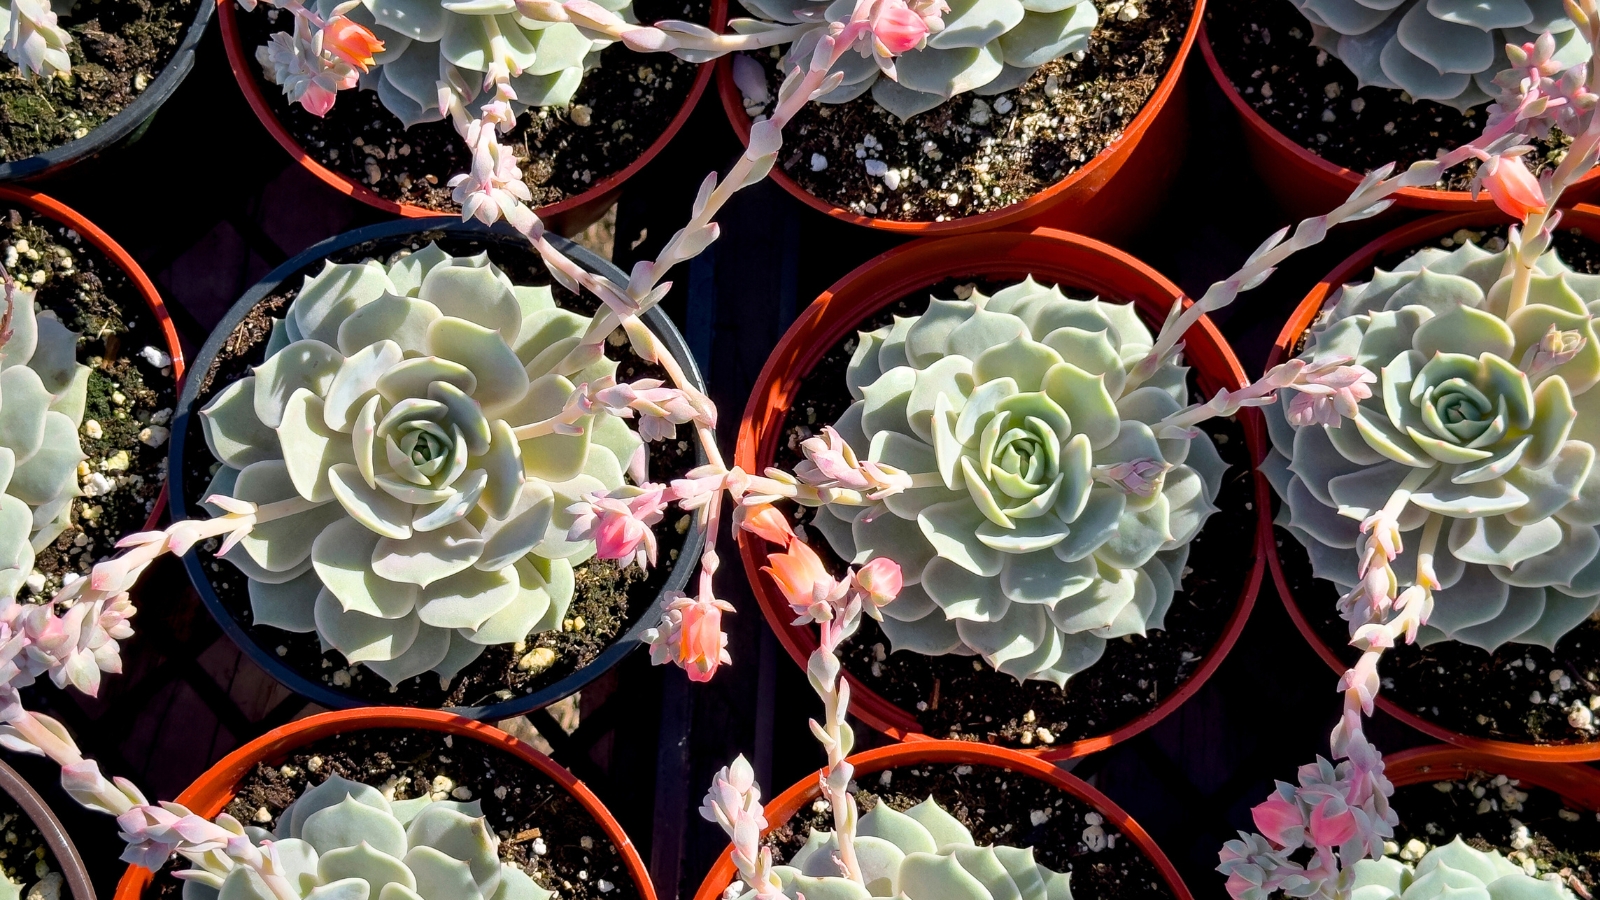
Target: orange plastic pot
<point>1584,218</point>
<point>1579,785</point>
<point>1076,263</point>
<point>806,791</point>
<point>1305,184</point>
<point>54,209</point>
<point>213,790</point>
<point>569,215</point>
<point>1108,198</point>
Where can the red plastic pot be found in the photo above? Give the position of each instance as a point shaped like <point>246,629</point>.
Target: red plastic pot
<point>54,209</point>
<point>806,791</point>
<point>1579,785</point>
<point>1110,197</point>
<point>1070,260</point>
<point>212,791</point>
<point>1305,184</point>
<point>1584,218</point>
<point>67,860</point>
<point>567,216</point>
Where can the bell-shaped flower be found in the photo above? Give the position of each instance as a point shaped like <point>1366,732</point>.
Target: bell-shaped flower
<point>765,521</point>
<point>690,635</point>
<point>879,582</point>
<point>805,583</point>
<point>1280,820</point>
<point>351,41</point>
<point>1513,188</point>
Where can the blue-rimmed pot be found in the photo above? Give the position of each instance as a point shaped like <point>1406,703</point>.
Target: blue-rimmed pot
<point>239,341</point>
<point>127,125</point>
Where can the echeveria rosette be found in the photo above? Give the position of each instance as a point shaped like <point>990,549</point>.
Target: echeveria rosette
<point>1013,547</point>
<point>1454,870</point>
<point>389,401</point>
<point>923,853</point>
<point>422,39</point>
<point>43,390</point>
<point>1443,50</point>
<point>1495,414</point>
<point>343,840</point>
<point>986,46</point>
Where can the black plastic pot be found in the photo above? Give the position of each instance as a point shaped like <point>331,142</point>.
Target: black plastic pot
<point>66,855</point>
<point>127,125</point>
<point>309,262</point>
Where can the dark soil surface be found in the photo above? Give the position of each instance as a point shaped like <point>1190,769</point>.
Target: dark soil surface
<point>607,601</point>
<point>961,697</point>
<point>542,828</point>
<point>1466,689</point>
<point>97,300</point>
<point>1487,810</point>
<point>24,856</point>
<point>620,109</point>
<point>976,154</point>
<point>999,807</point>
<point>118,48</point>
<point>1311,97</point>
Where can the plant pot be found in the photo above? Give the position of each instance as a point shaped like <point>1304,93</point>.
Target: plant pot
<point>127,125</point>
<point>1305,184</point>
<point>1584,218</point>
<point>568,216</point>
<point>1109,197</point>
<point>1074,262</point>
<point>1420,765</point>
<point>805,792</point>
<point>387,238</point>
<point>55,837</point>
<point>211,792</point>
<point>53,209</point>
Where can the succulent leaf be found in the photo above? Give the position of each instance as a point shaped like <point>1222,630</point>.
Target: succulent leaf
<point>1474,398</point>
<point>341,840</point>
<point>429,530</point>
<point>923,853</point>
<point>1006,408</point>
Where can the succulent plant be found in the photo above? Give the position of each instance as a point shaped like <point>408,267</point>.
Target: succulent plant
<point>1497,414</point>
<point>1440,50</point>
<point>423,38</point>
<point>986,46</point>
<point>923,853</point>
<point>43,390</point>
<point>1050,518</point>
<point>342,840</point>
<point>1453,870</point>
<point>30,36</point>
<point>388,405</point>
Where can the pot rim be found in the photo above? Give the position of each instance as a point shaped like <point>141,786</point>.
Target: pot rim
<point>210,793</point>
<point>1283,145</point>
<point>325,694</point>
<point>1417,232</point>
<point>241,63</point>
<point>128,120</point>
<point>1438,762</point>
<point>51,208</point>
<point>917,265</point>
<point>1005,217</point>
<point>782,807</point>
<point>50,828</point>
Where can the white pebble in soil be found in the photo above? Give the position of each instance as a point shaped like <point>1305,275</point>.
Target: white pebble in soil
<point>818,162</point>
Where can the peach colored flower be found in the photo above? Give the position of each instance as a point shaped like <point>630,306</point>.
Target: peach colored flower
<point>1513,188</point>
<point>805,583</point>
<point>351,42</point>
<point>879,581</point>
<point>765,521</point>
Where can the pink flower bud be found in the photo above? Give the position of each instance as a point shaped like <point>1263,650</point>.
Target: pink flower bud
<point>1276,818</point>
<point>1332,823</point>
<point>880,580</point>
<point>897,28</point>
